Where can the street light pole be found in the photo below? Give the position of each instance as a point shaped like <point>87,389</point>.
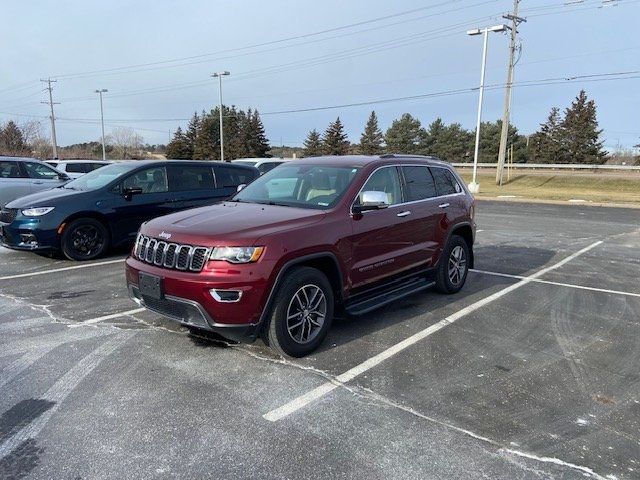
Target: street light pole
<point>219,75</point>
<point>474,187</point>
<point>100,92</point>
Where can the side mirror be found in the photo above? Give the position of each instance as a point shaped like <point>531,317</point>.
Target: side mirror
<point>241,186</point>
<point>129,192</point>
<point>64,177</point>
<point>371,200</point>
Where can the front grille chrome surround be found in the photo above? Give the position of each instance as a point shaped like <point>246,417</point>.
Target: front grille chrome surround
<point>174,256</point>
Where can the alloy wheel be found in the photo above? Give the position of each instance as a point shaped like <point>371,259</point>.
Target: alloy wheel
<point>457,265</point>
<point>306,313</point>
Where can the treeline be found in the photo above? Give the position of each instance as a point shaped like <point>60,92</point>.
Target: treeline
<point>573,138</point>
<point>244,136</point>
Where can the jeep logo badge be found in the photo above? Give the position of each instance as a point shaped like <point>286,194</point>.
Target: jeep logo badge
<point>164,234</point>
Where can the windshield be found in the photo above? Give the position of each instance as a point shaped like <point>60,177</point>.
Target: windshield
<point>100,177</point>
<point>304,186</point>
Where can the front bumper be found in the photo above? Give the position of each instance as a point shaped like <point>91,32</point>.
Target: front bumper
<point>187,299</point>
<point>28,235</point>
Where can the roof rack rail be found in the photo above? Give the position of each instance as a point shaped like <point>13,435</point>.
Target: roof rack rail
<point>399,155</point>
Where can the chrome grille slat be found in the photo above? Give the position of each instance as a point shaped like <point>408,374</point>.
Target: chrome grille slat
<point>170,255</point>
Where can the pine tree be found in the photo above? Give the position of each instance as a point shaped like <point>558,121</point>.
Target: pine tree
<point>372,137</point>
<point>334,141</point>
<point>546,144</point>
<point>179,147</point>
<point>11,139</point>
<point>313,144</point>
<point>207,145</point>
<point>490,142</point>
<point>254,137</point>
<point>580,132</point>
<point>405,135</point>
<point>192,131</point>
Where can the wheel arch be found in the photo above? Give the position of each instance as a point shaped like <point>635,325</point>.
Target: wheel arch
<point>465,231</point>
<point>325,262</point>
<point>87,214</point>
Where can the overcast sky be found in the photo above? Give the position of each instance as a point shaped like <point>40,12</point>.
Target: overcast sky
<point>170,49</point>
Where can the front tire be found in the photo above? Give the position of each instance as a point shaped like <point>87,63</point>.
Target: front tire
<point>453,266</point>
<point>302,313</point>
<point>84,239</point>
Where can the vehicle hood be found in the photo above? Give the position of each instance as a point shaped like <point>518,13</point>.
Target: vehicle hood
<point>46,198</point>
<point>229,223</point>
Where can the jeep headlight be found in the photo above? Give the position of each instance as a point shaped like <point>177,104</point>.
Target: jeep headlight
<point>36,211</point>
<point>237,254</point>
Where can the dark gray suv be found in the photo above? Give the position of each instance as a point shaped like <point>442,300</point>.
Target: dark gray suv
<point>22,176</point>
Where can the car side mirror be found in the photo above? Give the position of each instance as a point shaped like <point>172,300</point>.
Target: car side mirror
<point>129,192</point>
<point>241,187</point>
<point>371,200</point>
<point>64,177</point>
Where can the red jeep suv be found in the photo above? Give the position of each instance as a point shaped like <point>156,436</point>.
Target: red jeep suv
<point>308,240</point>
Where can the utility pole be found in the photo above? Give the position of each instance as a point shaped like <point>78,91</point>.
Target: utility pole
<point>100,92</point>
<point>219,75</point>
<point>515,21</point>
<point>474,187</point>
<point>53,118</point>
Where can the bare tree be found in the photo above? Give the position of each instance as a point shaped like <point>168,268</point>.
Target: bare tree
<point>126,143</point>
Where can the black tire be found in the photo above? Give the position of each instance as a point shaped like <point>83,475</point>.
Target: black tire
<point>283,335</point>
<point>455,257</point>
<point>84,239</point>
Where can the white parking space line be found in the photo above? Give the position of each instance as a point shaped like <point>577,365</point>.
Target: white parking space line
<point>63,269</point>
<point>61,390</point>
<point>93,321</point>
<point>318,392</point>
<point>559,284</point>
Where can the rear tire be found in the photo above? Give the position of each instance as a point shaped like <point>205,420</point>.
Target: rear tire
<point>302,313</point>
<point>453,266</point>
<point>84,239</point>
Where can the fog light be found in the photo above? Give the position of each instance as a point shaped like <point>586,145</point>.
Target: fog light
<point>28,239</point>
<point>226,296</point>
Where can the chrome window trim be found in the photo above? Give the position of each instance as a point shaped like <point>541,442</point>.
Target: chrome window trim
<point>463,192</point>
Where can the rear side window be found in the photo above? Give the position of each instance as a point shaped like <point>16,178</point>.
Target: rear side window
<point>94,166</point>
<point>419,183</point>
<point>76,168</point>
<point>227,177</point>
<point>446,184</point>
<point>41,171</point>
<point>190,177</point>
<point>10,170</point>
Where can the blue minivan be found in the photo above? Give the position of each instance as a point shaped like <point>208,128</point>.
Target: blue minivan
<point>105,207</point>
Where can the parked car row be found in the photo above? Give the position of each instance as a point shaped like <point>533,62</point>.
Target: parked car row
<point>77,168</point>
<point>309,240</point>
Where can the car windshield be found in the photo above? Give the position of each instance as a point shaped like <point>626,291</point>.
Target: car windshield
<point>303,186</point>
<point>100,177</point>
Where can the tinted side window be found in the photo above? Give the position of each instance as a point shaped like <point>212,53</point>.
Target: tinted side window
<point>265,167</point>
<point>444,181</point>
<point>150,180</point>
<point>94,166</point>
<point>420,184</point>
<point>190,177</point>
<point>10,170</point>
<point>76,168</point>
<point>384,180</point>
<point>41,171</point>
<point>227,177</point>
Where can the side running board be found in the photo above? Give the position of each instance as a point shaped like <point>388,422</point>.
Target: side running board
<point>366,302</point>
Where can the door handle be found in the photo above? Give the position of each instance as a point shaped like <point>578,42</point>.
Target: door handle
<point>404,214</point>
<point>443,205</point>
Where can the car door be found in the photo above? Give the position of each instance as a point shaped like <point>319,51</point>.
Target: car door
<point>193,186</point>
<point>229,177</point>
<point>130,211</point>
<point>13,181</point>
<point>423,212</point>
<point>382,240</point>
<point>43,177</point>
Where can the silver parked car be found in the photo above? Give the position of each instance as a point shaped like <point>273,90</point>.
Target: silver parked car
<point>22,176</point>
<point>77,168</point>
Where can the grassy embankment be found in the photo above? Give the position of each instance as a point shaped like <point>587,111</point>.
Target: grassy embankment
<point>597,187</point>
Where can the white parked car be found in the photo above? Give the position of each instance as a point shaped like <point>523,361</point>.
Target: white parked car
<point>262,164</point>
<point>77,168</point>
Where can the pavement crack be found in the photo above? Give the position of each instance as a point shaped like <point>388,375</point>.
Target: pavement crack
<point>46,309</point>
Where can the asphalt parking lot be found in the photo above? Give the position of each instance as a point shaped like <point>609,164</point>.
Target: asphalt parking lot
<point>531,371</point>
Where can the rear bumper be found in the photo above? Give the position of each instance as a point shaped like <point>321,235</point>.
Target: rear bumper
<point>187,297</point>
